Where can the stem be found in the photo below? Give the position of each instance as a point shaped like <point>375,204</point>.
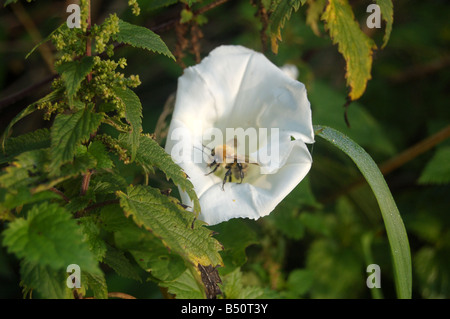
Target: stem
<point>85,183</point>
<point>88,38</point>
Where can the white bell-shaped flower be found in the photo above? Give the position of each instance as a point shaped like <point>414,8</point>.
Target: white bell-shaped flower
<point>238,90</point>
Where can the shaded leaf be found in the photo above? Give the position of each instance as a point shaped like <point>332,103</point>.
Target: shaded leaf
<point>387,12</point>
<point>355,46</point>
<point>172,224</point>
<point>68,131</point>
<point>150,154</point>
<point>437,170</point>
<point>49,237</point>
<point>143,38</point>
<point>133,114</point>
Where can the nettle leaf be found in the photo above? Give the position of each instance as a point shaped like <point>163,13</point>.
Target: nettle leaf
<point>117,260</point>
<point>280,15</point>
<point>156,4</point>
<point>48,282</point>
<point>50,237</point>
<point>97,150</point>
<point>51,97</point>
<point>96,283</point>
<point>133,114</point>
<point>387,12</point>
<point>315,9</point>
<point>437,170</point>
<point>143,38</point>
<point>68,131</point>
<point>150,154</point>
<point>236,236</point>
<point>184,287</point>
<point>354,45</point>
<point>24,143</point>
<point>172,224</point>
<point>73,73</point>
<point>233,288</point>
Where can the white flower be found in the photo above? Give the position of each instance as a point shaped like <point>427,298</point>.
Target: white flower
<point>235,87</point>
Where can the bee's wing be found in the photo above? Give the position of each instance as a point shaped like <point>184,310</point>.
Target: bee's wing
<point>244,159</point>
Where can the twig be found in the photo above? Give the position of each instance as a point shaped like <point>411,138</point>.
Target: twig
<point>120,295</point>
<point>57,191</point>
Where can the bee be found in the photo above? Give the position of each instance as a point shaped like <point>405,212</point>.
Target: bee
<point>235,165</point>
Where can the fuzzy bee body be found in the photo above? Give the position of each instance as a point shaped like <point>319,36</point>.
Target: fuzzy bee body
<point>234,164</point>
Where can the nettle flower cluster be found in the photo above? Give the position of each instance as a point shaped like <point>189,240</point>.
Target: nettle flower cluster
<point>104,73</point>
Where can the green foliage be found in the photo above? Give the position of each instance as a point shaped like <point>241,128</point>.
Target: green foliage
<point>353,44</point>
<point>437,170</point>
<point>68,131</point>
<point>143,38</point>
<point>50,237</point>
<point>168,221</point>
<point>91,186</point>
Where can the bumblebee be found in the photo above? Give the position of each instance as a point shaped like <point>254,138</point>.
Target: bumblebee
<point>235,165</point>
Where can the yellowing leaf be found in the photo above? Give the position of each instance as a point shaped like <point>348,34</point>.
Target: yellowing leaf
<point>387,12</point>
<point>353,44</point>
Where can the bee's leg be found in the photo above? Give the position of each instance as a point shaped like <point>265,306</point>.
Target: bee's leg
<point>215,168</point>
<point>241,172</point>
<point>227,174</point>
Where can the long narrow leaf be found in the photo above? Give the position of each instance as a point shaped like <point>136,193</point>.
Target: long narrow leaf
<point>395,228</point>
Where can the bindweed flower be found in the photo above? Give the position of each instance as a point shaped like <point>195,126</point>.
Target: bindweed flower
<point>233,96</point>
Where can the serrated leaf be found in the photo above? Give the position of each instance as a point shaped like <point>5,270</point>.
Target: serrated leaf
<point>73,73</point>
<point>92,237</point>
<point>236,236</point>
<point>184,287</point>
<point>96,283</point>
<point>24,143</point>
<point>99,152</point>
<point>48,282</point>
<point>315,9</point>
<point>172,224</point>
<point>355,46</point>
<point>281,13</point>
<point>387,12</point>
<point>68,131</point>
<point>233,288</point>
<point>437,170</point>
<point>150,154</point>
<point>120,264</point>
<point>133,114</point>
<point>49,237</point>
<point>51,97</point>
<point>143,38</point>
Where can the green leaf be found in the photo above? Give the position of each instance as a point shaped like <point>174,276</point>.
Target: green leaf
<point>156,4</point>
<point>73,73</point>
<point>7,2</point>
<point>51,97</point>
<point>49,237</point>
<point>48,282</point>
<point>62,28</point>
<point>24,143</point>
<point>143,38</point>
<point>172,224</point>
<point>315,9</point>
<point>387,12</point>
<point>299,282</point>
<point>97,283</point>
<point>68,131</point>
<point>233,288</point>
<point>354,45</point>
<point>117,260</point>
<point>133,114</point>
<point>184,287</point>
<point>236,236</point>
<point>437,170</point>
<point>150,154</point>
<point>99,152</point>
<point>281,13</point>
<point>395,228</point>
